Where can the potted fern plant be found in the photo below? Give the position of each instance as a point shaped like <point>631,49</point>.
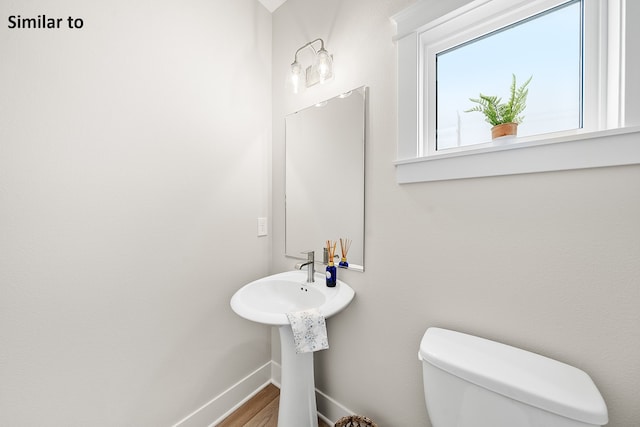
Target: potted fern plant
<point>504,117</point>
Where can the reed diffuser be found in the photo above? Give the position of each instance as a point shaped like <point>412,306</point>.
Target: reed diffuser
<point>331,269</point>
<point>345,244</point>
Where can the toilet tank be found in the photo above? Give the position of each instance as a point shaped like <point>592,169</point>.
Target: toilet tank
<point>474,382</point>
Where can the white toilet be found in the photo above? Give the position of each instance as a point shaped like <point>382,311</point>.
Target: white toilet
<point>474,382</point>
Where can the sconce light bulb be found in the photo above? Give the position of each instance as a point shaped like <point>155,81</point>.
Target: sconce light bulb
<point>324,64</point>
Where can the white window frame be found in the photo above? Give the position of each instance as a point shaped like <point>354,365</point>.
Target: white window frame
<point>477,24</point>
<point>604,141</point>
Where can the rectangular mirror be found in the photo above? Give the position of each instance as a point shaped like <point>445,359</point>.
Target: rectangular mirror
<point>324,177</point>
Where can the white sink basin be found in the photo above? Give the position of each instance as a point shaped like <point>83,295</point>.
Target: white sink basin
<point>267,300</point>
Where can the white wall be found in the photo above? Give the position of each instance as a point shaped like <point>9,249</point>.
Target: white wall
<point>547,262</point>
<point>134,161</point>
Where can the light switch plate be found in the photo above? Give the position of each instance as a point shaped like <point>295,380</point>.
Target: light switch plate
<point>262,226</point>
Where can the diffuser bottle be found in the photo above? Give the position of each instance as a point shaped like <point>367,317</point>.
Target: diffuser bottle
<point>331,269</point>
<point>345,244</point>
<point>331,274</point>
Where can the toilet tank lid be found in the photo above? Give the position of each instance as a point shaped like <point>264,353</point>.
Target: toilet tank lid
<point>518,374</point>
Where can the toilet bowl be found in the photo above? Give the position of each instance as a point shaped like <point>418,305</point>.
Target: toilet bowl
<point>474,382</point>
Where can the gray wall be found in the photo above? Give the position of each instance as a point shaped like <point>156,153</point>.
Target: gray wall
<point>547,262</point>
<point>134,161</point>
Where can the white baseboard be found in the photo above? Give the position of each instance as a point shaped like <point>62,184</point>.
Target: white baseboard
<point>223,405</point>
<point>276,373</point>
<point>329,409</point>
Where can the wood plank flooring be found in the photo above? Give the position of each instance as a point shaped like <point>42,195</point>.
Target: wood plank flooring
<point>260,411</point>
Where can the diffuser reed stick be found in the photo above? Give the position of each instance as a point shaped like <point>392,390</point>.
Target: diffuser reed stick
<point>345,244</point>
<point>331,250</point>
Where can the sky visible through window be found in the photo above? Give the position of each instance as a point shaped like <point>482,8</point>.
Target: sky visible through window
<point>547,47</point>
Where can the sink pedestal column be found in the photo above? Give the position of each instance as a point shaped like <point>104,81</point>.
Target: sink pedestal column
<point>297,391</point>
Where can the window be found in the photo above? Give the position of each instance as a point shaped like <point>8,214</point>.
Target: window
<point>573,49</point>
<point>546,47</point>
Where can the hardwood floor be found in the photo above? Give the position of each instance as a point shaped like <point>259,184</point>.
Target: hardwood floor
<point>260,411</point>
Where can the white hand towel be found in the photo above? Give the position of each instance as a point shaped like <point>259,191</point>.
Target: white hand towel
<point>309,330</point>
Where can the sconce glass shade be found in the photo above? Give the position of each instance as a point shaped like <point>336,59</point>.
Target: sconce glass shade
<point>296,77</point>
<point>324,65</point>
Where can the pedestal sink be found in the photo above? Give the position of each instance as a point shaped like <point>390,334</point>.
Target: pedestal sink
<point>267,301</point>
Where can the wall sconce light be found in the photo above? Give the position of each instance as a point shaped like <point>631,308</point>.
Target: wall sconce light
<point>319,72</point>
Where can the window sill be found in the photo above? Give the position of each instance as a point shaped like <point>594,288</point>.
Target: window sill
<point>614,147</point>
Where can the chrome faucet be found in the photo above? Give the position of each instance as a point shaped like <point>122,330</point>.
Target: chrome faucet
<point>310,265</point>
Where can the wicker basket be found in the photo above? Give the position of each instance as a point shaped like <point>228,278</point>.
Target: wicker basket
<point>355,421</point>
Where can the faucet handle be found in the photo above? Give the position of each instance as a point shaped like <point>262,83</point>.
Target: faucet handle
<point>310,255</point>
